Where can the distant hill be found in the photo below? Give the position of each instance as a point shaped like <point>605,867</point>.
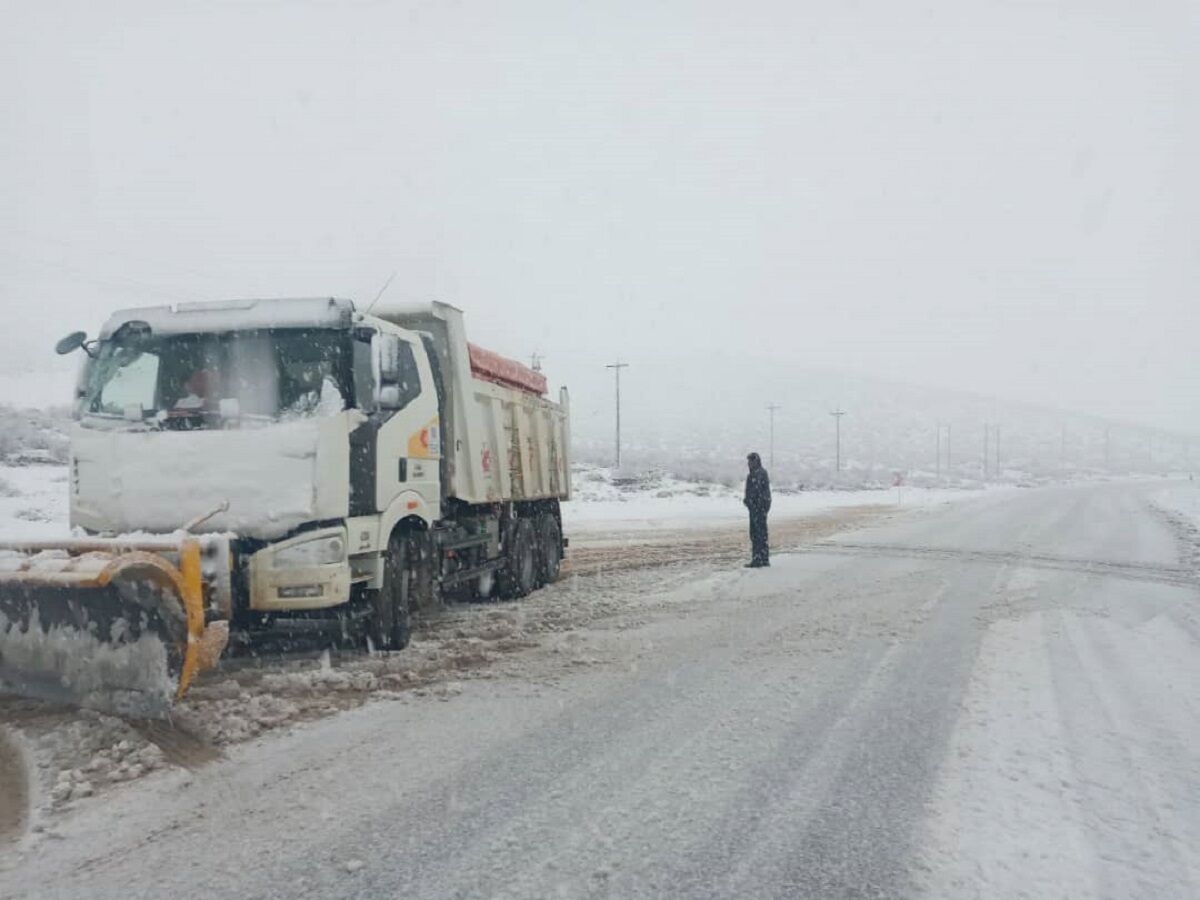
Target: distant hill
<point>698,420</point>
<point>702,419</point>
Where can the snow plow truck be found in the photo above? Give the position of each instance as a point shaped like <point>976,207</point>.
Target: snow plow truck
<point>275,469</point>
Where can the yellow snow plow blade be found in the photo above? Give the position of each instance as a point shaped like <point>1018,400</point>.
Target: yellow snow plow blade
<point>111,624</point>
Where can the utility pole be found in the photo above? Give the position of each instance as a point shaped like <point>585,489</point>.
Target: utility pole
<point>938,464</point>
<point>985,450</point>
<point>617,367</point>
<point>771,407</point>
<point>837,424</point>
<point>939,450</point>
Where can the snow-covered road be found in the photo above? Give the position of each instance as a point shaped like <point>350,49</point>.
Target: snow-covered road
<point>996,699</point>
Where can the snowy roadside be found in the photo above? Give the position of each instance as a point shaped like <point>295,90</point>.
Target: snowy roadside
<point>78,758</point>
<point>1079,725</point>
<point>685,536</point>
<point>1180,505</point>
<point>33,502</point>
<point>1068,735</point>
<point>665,503</point>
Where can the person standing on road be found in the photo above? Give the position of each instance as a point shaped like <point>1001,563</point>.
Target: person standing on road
<point>758,502</point>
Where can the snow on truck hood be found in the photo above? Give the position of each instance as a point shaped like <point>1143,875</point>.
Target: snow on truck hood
<point>155,481</point>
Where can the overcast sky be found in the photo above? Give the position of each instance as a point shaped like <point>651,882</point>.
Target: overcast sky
<point>1001,197</point>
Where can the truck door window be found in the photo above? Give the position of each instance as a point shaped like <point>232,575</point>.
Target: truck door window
<point>133,382</point>
<point>364,376</point>
<point>410,378</point>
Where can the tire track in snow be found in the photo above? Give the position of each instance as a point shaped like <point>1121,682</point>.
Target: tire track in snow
<point>1172,575</point>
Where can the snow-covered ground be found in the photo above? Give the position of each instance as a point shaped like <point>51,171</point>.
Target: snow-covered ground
<point>994,700</point>
<point>1180,504</point>
<point>33,502</point>
<point>601,502</point>
<point>1064,750</point>
<point>80,755</point>
<point>1182,499</point>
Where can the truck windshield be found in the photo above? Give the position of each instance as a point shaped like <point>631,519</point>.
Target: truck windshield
<point>189,380</point>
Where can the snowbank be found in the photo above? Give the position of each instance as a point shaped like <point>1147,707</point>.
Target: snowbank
<point>604,501</point>
<point>33,502</point>
<point>1183,499</point>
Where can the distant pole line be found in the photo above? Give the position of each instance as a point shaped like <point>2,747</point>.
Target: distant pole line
<point>617,367</point>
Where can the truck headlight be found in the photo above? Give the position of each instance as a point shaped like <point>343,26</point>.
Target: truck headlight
<point>320,551</point>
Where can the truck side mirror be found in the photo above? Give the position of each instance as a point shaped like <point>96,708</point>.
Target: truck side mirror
<point>389,360</point>
<point>398,380</point>
<point>70,343</point>
<point>390,397</point>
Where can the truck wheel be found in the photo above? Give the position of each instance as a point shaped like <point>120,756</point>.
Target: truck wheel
<point>549,549</point>
<point>423,594</point>
<point>518,575</point>
<point>390,626</point>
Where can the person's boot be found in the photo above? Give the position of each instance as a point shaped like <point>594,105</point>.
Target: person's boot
<point>753,564</point>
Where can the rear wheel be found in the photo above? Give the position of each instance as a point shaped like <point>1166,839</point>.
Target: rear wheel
<point>390,625</point>
<point>423,594</point>
<point>549,549</point>
<point>518,575</point>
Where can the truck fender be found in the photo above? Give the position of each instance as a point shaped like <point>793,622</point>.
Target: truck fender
<point>405,505</point>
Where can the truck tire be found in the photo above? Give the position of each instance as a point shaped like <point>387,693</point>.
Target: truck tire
<point>518,575</point>
<point>549,549</point>
<point>390,625</point>
<point>423,593</point>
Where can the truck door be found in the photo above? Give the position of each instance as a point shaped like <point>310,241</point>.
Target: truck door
<point>410,442</point>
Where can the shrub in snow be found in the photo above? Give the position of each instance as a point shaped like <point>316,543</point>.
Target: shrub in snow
<point>33,435</point>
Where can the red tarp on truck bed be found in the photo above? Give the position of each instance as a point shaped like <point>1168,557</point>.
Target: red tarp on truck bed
<point>499,369</point>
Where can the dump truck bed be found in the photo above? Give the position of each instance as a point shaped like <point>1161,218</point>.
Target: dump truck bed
<point>502,438</point>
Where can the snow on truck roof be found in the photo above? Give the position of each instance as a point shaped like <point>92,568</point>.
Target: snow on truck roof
<point>236,315</point>
<point>316,312</point>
